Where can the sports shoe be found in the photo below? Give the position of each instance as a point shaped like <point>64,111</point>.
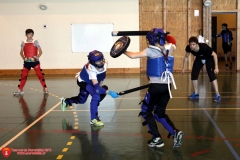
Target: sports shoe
<point>177,139</point>
<point>96,122</point>
<point>193,96</point>
<point>45,91</point>
<point>217,98</point>
<point>156,142</point>
<point>18,93</point>
<point>96,128</point>
<point>63,104</point>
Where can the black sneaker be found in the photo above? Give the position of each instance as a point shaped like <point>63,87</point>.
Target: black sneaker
<point>155,142</point>
<point>177,140</point>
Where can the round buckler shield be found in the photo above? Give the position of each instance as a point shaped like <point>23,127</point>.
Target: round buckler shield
<point>120,46</point>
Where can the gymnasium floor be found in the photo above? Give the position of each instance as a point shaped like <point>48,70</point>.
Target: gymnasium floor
<point>35,124</point>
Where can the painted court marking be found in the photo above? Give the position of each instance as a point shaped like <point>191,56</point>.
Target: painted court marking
<point>29,126</point>
<point>235,154</point>
<point>131,109</point>
<point>64,150</point>
<point>200,98</point>
<point>199,152</point>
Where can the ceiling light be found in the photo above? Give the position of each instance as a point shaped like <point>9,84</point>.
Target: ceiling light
<point>207,3</point>
<point>43,6</point>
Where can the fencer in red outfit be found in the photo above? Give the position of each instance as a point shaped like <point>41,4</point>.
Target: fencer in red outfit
<point>30,53</point>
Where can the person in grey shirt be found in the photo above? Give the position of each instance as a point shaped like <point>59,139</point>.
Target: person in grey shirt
<point>30,53</point>
<point>159,72</point>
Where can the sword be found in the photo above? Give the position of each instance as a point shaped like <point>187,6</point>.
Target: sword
<point>131,33</point>
<point>133,89</point>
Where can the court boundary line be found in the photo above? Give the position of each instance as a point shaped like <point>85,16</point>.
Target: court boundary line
<point>230,147</point>
<point>29,126</point>
<point>134,109</point>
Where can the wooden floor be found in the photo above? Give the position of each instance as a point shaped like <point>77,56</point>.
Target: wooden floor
<point>34,124</point>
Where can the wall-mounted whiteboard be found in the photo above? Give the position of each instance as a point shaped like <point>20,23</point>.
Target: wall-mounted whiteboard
<point>89,37</point>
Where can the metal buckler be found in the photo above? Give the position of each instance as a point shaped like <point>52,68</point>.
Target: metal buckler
<point>31,59</point>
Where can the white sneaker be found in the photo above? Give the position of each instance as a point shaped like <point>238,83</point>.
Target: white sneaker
<point>45,91</point>
<point>177,140</point>
<point>18,93</point>
<point>96,122</point>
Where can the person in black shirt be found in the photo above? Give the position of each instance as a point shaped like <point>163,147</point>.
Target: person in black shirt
<point>227,38</point>
<point>203,55</point>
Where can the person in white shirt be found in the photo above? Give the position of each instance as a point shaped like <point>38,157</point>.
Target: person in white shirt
<point>90,81</point>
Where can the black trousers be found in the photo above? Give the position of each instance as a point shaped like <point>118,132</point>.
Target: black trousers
<point>197,66</point>
<point>226,47</point>
<point>159,97</point>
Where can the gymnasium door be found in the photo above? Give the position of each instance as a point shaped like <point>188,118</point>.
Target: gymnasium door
<point>214,33</point>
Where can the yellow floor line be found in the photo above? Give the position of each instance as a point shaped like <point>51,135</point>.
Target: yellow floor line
<point>69,143</point>
<point>29,126</point>
<point>65,150</point>
<point>59,157</point>
<point>76,127</point>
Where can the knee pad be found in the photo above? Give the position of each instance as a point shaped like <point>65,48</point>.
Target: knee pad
<point>102,96</point>
<point>145,106</point>
<point>94,104</point>
<point>80,99</point>
<point>24,74</point>
<point>83,95</point>
<point>38,72</point>
<point>40,75</point>
<point>146,109</point>
<point>170,122</point>
<point>166,122</point>
<point>146,113</point>
<point>95,97</point>
<point>23,78</point>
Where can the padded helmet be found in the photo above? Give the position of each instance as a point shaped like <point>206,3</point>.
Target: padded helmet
<point>225,24</point>
<point>156,35</point>
<point>96,59</point>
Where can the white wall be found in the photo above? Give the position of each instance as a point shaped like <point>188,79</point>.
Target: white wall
<point>55,40</point>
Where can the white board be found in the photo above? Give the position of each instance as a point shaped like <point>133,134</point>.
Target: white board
<point>89,37</point>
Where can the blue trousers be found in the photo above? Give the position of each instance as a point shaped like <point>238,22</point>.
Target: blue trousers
<point>84,91</point>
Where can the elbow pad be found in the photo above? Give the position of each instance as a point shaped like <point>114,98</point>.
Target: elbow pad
<point>98,89</point>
